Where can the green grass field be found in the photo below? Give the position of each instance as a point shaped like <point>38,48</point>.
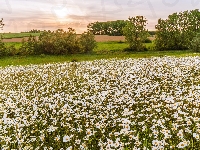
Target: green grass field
<point>44,59</point>
<point>17,35</point>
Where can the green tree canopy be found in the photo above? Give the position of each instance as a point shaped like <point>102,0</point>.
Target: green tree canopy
<point>135,32</point>
<point>112,28</point>
<point>177,30</point>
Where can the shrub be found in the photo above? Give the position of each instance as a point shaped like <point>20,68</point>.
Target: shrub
<point>7,50</point>
<point>2,47</point>
<point>195,43</point>
<point>58,42</point>
<point>10,51</point>
<point>87,42</point>
<point>28,47</point>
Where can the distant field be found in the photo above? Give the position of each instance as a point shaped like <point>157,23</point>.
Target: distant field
<point>17,37</point>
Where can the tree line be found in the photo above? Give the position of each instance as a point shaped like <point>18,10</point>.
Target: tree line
<point>111,28</point>
<point>180,31</point>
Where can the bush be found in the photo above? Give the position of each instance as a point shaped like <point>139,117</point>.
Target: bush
<point>6,50</point>
<point>87,42</point>
<point>28,47</point>
<point>195,43</point>
<point>58,42</point>
<point>2,47</point>
<point>62,42</point>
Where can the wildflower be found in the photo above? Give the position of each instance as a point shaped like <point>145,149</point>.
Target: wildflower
<point>51,128</point>
<point>155,143</point>
<point>88,132</point>
<point>196,136</point>
<point>180,134</point>
<point>183,144</point>
<point>66,138</point>
<point>57,138</point>
<point>69,148</point>
<point>189,122</point>
<point>78,141</point>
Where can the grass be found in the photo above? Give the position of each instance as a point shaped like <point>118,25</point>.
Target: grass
<point>111,46</point>
<point>104,50</point>
<point>115,46</point>
<point>17,35</point>
<point>44,59</point>
<point>17,45</point>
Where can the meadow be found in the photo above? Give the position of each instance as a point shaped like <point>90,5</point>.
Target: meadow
<point>106,99</point>
<point>143,103</point>
<point>107,48</point>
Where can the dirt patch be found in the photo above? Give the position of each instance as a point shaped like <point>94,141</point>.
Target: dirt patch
<point>105,38</point>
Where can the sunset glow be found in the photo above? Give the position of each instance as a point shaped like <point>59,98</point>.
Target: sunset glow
<point>24,15</point>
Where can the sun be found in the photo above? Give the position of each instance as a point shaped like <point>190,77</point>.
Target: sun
<point>61,13</point>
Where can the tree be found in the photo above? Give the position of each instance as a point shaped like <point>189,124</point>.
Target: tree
<point>113,28</point>
<point>195,43</point>
<point>176,32</point>
<point>135,32</point>
<point>1,23</point>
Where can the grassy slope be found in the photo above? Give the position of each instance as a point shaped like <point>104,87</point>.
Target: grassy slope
<point>24,60</point>
<point>105,50</point>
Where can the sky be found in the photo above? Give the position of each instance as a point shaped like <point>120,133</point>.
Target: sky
<point>25,15</point>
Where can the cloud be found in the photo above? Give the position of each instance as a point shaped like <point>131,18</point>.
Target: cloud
<point>21,15</point>
<point>5,7</point>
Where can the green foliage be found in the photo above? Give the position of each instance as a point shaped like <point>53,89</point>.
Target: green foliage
<point>2,47</point>
<point>195,43</point>
<point>87,42</point>
<point>58,42</point>
<point>1,23</point>
<point>147,40</point>
<point>6,50</point>
<point>135,33</point>
<point>112,28</point>
<point>177,31</point>
<point>28,47</point>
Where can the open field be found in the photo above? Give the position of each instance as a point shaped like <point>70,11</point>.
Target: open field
<point>17,35</point>
<point>107,99</point>
<point>99,38</point>
<point>146,103</point>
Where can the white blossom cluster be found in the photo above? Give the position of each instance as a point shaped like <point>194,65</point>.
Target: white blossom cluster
<point>149,103</point>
